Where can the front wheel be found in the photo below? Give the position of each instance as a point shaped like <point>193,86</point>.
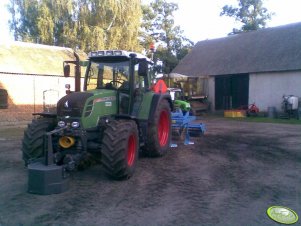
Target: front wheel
<point>120,149</point>
<point>33,140</point>
<point>159,134</point>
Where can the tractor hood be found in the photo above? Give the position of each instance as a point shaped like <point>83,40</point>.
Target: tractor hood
<point>89,106</point>
<point>72,104</point>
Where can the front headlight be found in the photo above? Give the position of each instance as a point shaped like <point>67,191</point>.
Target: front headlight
<point>75,124</point>
<point>61,124</point>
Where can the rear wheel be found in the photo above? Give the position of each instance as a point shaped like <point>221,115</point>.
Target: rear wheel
<point>120,149</point>
<point>33,140</point>
<point>158,140</point>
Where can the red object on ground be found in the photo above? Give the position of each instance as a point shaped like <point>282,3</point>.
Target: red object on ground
<point>253,109</point>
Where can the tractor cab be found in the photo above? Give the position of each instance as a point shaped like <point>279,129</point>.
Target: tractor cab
<point>124,73</point>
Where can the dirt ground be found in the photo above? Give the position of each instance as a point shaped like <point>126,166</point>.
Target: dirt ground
<point>230,176</point>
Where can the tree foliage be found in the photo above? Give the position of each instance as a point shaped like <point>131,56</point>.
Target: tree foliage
<point>250,13</point>
<point>84,24</point>
<point>158,26</point>
<point>101,24</point>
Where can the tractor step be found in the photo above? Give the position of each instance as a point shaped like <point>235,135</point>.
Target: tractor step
<point>46,179</point>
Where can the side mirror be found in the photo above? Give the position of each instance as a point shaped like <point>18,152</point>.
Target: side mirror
<point>158,69</point>
<point>143,68</point>
<point>67,70</point>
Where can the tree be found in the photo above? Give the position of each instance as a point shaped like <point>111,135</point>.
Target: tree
<point>158,25</point>
<point>111,24</point>
<point>250,13</point>
<point>84,24</point>
<point>40,21</point>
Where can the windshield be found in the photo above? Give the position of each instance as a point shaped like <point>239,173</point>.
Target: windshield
<point>108,75</point>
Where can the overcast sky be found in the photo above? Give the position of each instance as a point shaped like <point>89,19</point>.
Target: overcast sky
<point>200,19</point>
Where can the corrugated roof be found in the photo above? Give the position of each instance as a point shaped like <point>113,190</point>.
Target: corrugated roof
<point>28,58</point>
<point>265,50</point>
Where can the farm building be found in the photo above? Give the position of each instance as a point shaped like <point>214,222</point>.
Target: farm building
<point>31,77</point>
<point>253,67</point>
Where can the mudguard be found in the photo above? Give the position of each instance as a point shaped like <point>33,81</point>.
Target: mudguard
<point>155,102</point>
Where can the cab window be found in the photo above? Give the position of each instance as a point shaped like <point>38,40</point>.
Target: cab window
<point>108,75</point>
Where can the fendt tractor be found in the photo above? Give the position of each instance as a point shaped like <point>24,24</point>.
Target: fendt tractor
<point>118,114</point>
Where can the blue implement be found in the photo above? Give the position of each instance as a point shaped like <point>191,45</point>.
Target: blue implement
<point>185,123</point>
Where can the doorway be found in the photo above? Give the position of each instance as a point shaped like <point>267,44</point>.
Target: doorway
<point>231,91</point>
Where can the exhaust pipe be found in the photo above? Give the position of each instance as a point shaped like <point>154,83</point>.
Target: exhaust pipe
<point>66,142</point>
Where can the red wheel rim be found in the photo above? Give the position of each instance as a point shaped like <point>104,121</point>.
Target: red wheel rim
<point>163,128</point>
<point>131,150</point>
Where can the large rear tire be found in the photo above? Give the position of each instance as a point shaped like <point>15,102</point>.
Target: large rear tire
<point>120,149</point>
<point>158,140</point>
<point>32,143</point>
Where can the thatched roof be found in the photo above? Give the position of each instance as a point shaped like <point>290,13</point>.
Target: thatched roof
<point>28,58</point>
<point>265,50</point>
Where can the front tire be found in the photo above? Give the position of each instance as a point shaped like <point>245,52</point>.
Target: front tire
<point>33,140</point>
<point>120,149</point>
<point>159,135</point>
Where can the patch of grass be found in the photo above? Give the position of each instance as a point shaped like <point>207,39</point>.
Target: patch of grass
<point>268,120</point>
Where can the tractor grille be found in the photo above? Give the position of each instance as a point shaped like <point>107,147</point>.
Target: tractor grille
<point>73,104</point>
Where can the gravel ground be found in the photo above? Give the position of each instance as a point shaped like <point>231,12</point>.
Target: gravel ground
<point>230,176</point>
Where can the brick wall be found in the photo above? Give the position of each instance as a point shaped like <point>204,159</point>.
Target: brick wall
<point>27,93</point>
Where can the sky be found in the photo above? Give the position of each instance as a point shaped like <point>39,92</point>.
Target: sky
<point>199,19</point>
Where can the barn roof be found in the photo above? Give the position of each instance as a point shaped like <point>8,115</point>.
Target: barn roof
<point>28,58</point>
<point>265,50</point>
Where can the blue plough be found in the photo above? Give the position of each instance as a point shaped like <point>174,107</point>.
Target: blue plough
<point>185,123</point>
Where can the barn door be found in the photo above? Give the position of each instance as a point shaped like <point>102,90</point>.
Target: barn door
<point>231,91</point>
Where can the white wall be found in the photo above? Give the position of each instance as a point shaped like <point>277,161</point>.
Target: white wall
<point>211,92</point>
<point>267,89</point>
<point>25,95</point>
<point>28,89</point>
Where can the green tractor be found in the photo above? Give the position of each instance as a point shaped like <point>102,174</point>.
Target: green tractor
<point>179,100</point>
<point>117,114</point>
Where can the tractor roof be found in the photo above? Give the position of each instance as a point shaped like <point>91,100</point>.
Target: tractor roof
<point>121,54</point>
